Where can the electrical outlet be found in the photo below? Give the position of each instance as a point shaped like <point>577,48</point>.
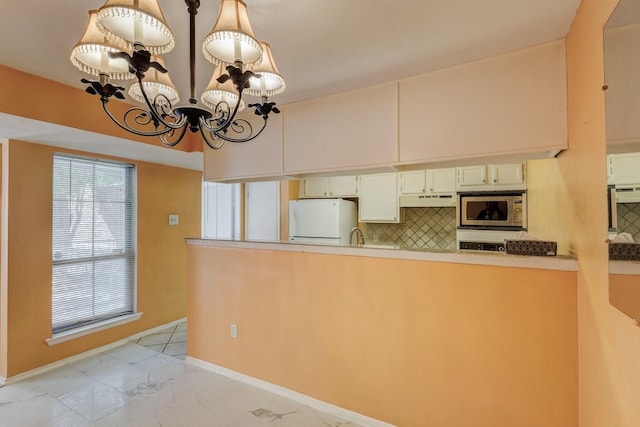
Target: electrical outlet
<point>234,331</point>
<point>375,237</point>
<point>174,219</point>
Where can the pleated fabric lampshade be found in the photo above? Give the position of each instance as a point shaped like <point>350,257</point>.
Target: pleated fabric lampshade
<point>91,53</point>
<point>136,21</point>
<point>231,39</point>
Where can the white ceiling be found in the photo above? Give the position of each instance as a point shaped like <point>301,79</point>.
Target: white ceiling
<point>320,46</point>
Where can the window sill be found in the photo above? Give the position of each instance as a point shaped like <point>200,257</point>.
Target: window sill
<point>90,329</point>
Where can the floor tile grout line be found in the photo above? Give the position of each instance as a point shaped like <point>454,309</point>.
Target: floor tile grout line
<point>169,340</point>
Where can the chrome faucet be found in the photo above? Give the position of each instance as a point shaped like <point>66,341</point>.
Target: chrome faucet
<point>359,237</point>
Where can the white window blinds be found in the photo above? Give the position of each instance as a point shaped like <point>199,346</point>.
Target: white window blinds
<point>221,211</point>
<point>93,242</point>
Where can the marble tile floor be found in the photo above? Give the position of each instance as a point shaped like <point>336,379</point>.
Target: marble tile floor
<point>171,341</point>
<point>135,386</point>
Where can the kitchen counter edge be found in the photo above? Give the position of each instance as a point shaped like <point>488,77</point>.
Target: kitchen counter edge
<point>564,263</point>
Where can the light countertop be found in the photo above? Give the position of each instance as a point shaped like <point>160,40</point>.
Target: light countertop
<point>625,267</point>
<point>565,263</point>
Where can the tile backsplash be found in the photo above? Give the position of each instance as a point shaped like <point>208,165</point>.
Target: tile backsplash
<point>629,219</point>
<point>427,228</point>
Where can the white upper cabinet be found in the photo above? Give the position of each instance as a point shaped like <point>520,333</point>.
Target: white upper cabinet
<point>624,169</point>
<point>502,105</point>
<point>314,187</point>
<point>379,198</point>
<point>622,68</point>
<point>335,186</point>
<point>430,181</point>
<point>352,130</point>
<point>257,159</point>
<point>507,174</point>
<point>502,177</point>
<point>472,176</point>
<point>413,182</point>
<point>441,180</point>
<point>344,186</point>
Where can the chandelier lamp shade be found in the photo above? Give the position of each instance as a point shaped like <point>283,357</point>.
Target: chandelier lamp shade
<point>155,83</point>
<point>90,54</point>
<point>217,92</point>
<point>124,40</point>
<point>231,39</point>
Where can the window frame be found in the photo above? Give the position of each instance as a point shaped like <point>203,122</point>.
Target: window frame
<point>97,324</point>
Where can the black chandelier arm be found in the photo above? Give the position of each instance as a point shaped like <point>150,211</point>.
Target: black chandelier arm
<point>159,117</point>
<point>212,139</point>
<point>223,116</point>
<point>237,127</point>
<point>167,139</point>
<point>143,118</point>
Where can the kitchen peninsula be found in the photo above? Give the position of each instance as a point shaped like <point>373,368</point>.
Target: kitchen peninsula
<point>361,328</point>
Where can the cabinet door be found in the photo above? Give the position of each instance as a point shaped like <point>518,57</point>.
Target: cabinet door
<point>625,168</point>
<point>507,174</point>
<point>315,187</point>
<point>441,180</point>
<point>343,186</point>
<point>610,172</point>
<point>413,182</point>
<point>379,198</point>
<point>470,176</point>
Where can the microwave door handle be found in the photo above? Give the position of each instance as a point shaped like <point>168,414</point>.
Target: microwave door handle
<point>613,207</point>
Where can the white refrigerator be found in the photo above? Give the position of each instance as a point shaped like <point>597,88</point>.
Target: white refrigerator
<point>321,221</point>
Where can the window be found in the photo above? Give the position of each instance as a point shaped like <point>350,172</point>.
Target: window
<point>93,242</point>
<point>220,211</point>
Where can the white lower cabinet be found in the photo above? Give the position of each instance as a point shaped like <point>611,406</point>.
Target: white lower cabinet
<point>379,198</point>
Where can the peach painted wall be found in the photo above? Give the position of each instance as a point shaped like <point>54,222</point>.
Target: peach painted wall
<point>21,94</point>
<point>548,204</point>
<point>513,103</point>
<point>408,342</point>
<point>160,249</point>
<point>3,265</point>
<point>609,341</point>
<point>624,293</point>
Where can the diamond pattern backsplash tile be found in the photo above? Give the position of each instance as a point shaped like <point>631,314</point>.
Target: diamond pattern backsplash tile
<point>426,228</point>
<point>629,219</point>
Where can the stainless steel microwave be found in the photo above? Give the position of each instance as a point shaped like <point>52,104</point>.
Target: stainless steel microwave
<point>507,211</point>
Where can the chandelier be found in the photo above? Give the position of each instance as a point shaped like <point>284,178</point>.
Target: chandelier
<point>124,40</point>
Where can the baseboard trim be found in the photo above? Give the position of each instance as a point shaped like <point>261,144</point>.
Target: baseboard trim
<point>312,402</point>
<point>84,355</point>
<point>157,329</point>
<point>63,362</point>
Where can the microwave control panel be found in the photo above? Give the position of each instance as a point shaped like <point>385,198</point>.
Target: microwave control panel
<point>517,210</point>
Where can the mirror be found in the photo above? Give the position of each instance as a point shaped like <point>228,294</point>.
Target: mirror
<point>622,79</point>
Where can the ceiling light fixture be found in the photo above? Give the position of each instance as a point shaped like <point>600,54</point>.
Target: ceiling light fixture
<point>139,27</point>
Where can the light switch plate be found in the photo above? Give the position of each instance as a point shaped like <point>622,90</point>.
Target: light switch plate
<point>234,331</point>
<point>174,219</point>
